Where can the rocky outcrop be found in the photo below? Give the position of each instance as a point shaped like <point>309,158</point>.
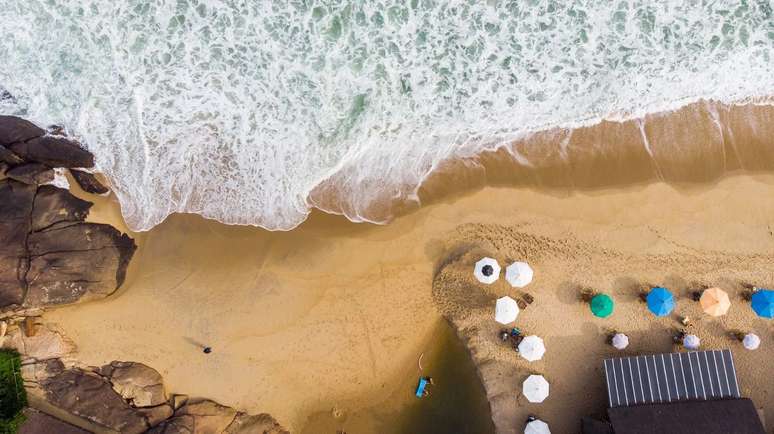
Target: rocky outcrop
<point>109,397</point>
<point>91,396</point>
<point>209,417</point>
<point>49,255</point>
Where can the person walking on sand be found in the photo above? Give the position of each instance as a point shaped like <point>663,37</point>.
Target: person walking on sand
<point>207,350</point>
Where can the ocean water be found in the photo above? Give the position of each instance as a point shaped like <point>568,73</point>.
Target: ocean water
<point>238,109</point>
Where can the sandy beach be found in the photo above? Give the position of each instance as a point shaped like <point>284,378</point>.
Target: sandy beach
<point>334,315</point>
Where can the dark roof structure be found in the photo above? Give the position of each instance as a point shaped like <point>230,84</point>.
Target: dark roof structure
<point>660,378</point>
<point>723,416</point>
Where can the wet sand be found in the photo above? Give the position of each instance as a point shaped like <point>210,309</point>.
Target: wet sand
<point>330,315</point>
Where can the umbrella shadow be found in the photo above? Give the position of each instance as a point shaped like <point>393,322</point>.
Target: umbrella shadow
<point>629,289</point>
<point>569,292</point>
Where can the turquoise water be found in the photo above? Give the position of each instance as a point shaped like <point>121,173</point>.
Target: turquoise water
<point>237,109</point>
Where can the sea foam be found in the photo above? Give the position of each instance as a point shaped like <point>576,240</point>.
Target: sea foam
<point>237,110</point>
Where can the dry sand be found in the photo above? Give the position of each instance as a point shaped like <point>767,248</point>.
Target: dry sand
<point>333,313</point>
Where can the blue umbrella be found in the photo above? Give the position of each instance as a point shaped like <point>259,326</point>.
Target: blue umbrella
<point>660,301</point>
<point>763,303</point>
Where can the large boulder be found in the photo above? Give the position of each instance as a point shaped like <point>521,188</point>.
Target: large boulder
<point>70,261</point>
<point>90,396</point>
<point>88,182</point>
<point>13,129</point>
<point>141,385</point>
<point>49,255</point>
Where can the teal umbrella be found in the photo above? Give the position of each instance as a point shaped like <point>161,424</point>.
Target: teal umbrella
<point>602,305</point>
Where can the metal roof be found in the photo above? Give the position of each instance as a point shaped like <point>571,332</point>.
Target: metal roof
<point>672,377</point>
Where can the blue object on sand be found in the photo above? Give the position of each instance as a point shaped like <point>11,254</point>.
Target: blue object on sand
<point>421,387</point>
<point>763,303</point>
<point>660,301</point>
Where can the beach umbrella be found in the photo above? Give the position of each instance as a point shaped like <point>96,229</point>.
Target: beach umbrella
<point>532,348</point>
<point>715,301</point>
<point>519,274</point>
<point>660,301</point>
<point>487,270</point>
<point>602,305</point>
<point>506,310</point>
<point>620,341</point>
<point>763,303</point>
<point>691,342</point>
<point>535,388</point>
<point>536,426</point>
<point>751,341</point>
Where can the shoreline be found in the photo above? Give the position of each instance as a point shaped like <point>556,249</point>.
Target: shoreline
<point>694,144</point>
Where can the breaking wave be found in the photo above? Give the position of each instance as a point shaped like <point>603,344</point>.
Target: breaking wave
<point>239,110</point>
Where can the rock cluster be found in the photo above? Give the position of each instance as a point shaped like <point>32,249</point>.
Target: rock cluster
<point>129,397</point>
<point>49,255</point>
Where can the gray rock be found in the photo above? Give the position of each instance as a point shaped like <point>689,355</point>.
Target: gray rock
<point>259,424</point>
<point>13,129</point>
<point>141,385</point>
<point>90,396</point>
<point>88,182</point>
<point>54,151</point>
<point>31,173</point>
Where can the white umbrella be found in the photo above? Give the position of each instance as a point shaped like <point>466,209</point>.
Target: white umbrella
<point>506,310</point>
<point>535,388</point>
<point>537,426</point>
<point>519,274</point>
<point>691,342</point>
<point>532,348</point>
<point>620,341</point>
<point>751,341</point>
<point>487,271</point>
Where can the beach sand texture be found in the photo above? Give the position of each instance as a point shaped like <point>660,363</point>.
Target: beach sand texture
<point>335,314</point>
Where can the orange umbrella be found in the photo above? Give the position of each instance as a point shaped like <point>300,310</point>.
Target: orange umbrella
<point>715,301</point>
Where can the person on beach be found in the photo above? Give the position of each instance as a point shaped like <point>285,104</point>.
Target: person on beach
<point>207,350</point>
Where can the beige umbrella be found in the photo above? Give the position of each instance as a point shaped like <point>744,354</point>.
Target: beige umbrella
<point>715,302</point>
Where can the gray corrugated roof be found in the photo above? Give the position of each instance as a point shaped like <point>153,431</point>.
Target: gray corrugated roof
<point>658,378</point>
